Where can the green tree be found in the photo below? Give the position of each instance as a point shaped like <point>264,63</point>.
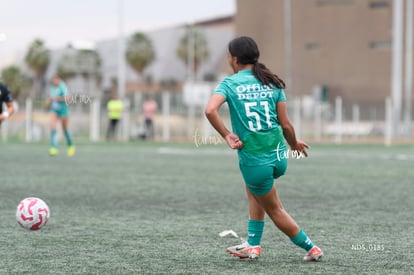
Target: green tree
<point>139,53</point>
<point>195,38</point>
<point>13,77</point>
<point>38,59</point>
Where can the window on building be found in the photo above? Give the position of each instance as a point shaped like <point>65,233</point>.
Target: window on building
<point>379,4</point>
<point>380,45</point>
<point>334,2</point>
<point>312,46</point>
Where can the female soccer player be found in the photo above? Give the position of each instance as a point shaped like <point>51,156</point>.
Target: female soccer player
<point>5,97</point>
<point>260,125</point>
<point>60,110</point>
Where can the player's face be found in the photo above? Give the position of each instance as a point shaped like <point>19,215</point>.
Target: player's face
<point>55,81</point>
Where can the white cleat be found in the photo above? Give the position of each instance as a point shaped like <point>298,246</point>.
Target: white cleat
<point>314,255</point>
<point>245,251</point>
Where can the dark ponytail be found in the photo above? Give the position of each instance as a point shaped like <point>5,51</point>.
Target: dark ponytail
<point>247,52</point>
<point>265,76</point>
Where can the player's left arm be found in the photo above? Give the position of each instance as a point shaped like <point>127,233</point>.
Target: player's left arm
<point>10,111</point>
<point>60,98</point>
<point>289,131</point>
<point>57,98</point>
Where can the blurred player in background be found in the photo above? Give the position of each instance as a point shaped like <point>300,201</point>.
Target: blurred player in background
<point>5,97</point>
<point>59,111</point>
<point>260,125</point>
<point>115,108</point>
<point>150,108</point>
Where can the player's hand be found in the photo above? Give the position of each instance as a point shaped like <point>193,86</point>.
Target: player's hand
<point>301,147</point>
<point>48,101</point>
<point>4,115</point>
<point>233,141</point>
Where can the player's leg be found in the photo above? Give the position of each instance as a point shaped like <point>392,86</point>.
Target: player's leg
<point>71,148</point>
<point>255,225</point>
<point>274,208</point>
<point>53,151</point>
<point>277,213</point>
<point>254,177</point>
<point>108,131</point>
<point>114,128</point>
<point>111,130</point>
<point>251,248</point>
<point>65,122</point>
<point>149,128</point>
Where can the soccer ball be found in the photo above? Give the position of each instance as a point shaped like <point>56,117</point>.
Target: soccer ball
<point>32,213</point>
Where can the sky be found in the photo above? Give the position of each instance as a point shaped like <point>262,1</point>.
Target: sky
<point>58,22</point>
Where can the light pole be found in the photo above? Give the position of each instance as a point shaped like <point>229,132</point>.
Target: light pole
<point>121,51</point>
<point>288,44</point>
<point>396,65</point>
<point>191,52</point>
<point>408,66</point>
<point>121,70</point>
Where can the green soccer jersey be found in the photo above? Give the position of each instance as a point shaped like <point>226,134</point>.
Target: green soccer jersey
<point>59,91</point>
<point>253,114</point>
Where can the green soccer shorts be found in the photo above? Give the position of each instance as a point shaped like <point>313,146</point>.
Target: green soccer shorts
<point>64,112</point>
<point>259,179</point>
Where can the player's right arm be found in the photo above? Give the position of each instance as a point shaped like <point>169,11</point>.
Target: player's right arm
<point>9,112</point>
<point>8,99</point>
<point>288,130</point>
<point>213,116</point>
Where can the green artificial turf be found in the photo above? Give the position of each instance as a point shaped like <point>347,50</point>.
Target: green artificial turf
<point>153,208</point>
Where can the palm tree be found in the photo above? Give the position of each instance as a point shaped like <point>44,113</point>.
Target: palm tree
<point>140,52</point>
<point>193,38</point>
<point>86,63</point>
<point>13,77</point>
<point>38,59</point>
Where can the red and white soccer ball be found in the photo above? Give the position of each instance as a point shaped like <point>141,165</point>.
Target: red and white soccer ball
<point>32,213</point>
